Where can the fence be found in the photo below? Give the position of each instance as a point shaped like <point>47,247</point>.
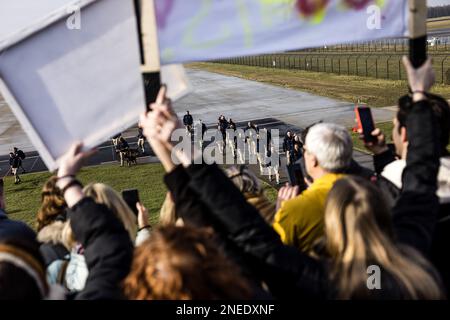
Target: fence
<point>375,65</point>
<point>437,45</point>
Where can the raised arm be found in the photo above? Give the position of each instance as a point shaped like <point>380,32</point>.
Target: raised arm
<point>108,247</point>
<point>176,179</point>
<point>415,212</point>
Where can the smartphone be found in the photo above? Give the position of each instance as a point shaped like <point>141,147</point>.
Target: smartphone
<point>151,80</point>
<point>131,197</point>
<point>365,122</point>
<point>152,84</point>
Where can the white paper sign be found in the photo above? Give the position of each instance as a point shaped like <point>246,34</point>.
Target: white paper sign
<point>176,79</point>
<point>67,85</point>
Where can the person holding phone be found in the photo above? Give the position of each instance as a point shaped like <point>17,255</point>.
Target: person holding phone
<point>129,211</point>
<point>357,223</point>
<point>327,152</point>
<point>390,163</point>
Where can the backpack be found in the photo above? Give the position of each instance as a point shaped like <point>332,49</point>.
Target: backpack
<point>21,154</point>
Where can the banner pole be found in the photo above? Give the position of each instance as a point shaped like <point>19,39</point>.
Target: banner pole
<point>418,32</point>
<point>150,58</point>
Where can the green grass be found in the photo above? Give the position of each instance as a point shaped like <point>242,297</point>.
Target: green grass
<point>270,192</point>
<point>23,200</point>
<point>374,92</point>
<point>382,65</point>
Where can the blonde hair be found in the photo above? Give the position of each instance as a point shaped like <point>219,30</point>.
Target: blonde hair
<point>104,194</point>
<point>358,233</point>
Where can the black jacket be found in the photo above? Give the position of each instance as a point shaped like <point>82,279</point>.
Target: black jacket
<point>288,144</point>
<point>187,120</point>
<point>441,235</point>
<point>14,229</point>
<point>123,146</point>
<point>292,274</point>
<point>14,162</point>
<point>108,249</point>
<point>195,213</point>
<point>140,134</point>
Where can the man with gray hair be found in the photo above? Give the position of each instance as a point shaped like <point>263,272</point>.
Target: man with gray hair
<point>328,153</point>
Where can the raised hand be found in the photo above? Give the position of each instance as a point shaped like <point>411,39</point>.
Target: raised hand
<point>71,162</point>
<point>286,193</point>
<point>161,121</point>
<point>377,147</point>
<point>420,80</point>
<point>69,165</point>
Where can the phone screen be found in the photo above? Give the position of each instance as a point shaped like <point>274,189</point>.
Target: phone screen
<point>131,197</point>
<point>366,123</point>
<point>152,84</point>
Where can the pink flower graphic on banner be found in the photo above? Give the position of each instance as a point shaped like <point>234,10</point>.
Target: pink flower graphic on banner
<point>357,4</point>
<point>310,8</point>
<point>163,8</point>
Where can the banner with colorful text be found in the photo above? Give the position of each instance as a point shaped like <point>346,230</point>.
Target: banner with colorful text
<point>200,30</point>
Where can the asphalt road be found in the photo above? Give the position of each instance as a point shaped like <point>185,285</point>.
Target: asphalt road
<point>244,100</point>
<point>213,95</point>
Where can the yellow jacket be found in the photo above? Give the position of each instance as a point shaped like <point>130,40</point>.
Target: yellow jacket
<point>299,221</point>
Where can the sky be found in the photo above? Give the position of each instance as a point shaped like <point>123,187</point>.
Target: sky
<point>433,3</point>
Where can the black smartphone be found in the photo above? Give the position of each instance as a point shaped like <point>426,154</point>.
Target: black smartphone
<point>365,122</point>
<point>151,80</point>
<point>152,84</point>
<point>131,197</point>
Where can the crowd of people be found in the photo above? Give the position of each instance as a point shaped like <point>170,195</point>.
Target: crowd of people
<point>345,235</point>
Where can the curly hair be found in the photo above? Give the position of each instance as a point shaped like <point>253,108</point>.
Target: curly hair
<point>183,263</point>
<point>53,204</point>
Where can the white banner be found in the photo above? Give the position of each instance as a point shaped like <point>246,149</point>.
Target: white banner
<point>69,76</point>
<point>199,30</point>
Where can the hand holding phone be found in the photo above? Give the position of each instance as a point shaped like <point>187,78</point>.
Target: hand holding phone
<point>365,123</point>
<point>131,197</point>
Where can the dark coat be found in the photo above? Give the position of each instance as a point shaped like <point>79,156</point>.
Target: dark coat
<point>195,213</point>
<point>123,146</point>
<point>108,249</point>
<point>14,229</point>
<point>14,162</point>
<point>441,235</point>
<point>140,134</point>
<point>188,120</point>
<point>288,144</point>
